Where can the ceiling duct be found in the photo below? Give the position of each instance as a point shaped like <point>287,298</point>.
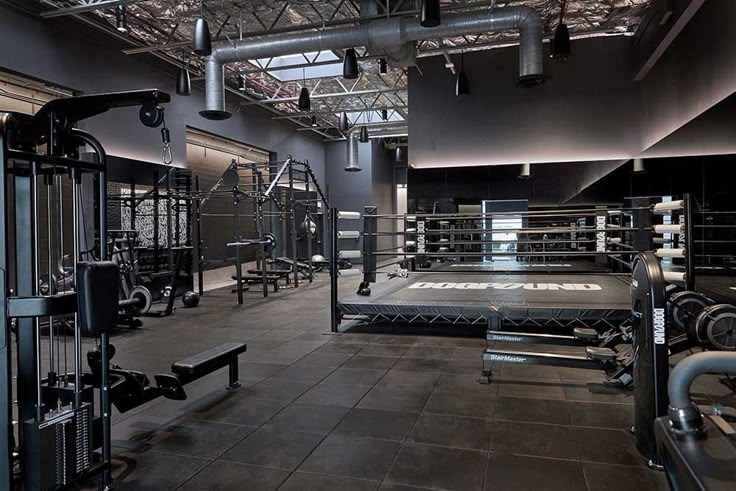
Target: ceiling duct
<point>376,35</point>
<point>377,130</point>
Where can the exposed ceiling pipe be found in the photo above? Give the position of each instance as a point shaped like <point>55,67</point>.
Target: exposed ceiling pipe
<point>378,34</point>
<point>376,130</point>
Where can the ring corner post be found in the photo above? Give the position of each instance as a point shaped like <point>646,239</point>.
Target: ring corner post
<point>334,272</point>
<point>688,216</point>
<point>370,243</point>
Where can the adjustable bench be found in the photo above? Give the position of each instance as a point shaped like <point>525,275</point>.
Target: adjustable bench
<point>206,362</point>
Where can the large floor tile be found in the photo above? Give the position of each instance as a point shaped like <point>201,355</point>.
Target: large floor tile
<point>273,447</point>
<point>602,415</point>
<point>334,394</point>
<point>608,447</point>
<point>408,380</point>
<point>300,481</point>
<point>377,423</point>
<point>398,400</point>
<point>151,470</point>
<point>308,417</point>
<point>532,410</point>
<point>539,440</point>
<point>602,477</point>
<point>516,473</point>
<point>452,431</point>
<point>362,458</point>
<point>438,467</point>
<point>229,476</point>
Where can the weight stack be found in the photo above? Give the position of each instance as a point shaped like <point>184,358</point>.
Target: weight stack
<point>58,450</point>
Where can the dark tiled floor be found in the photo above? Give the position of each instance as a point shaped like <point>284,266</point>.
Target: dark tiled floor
<point>365,410</point>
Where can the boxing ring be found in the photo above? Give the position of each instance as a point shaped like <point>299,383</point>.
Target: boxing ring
<point>580,278</point>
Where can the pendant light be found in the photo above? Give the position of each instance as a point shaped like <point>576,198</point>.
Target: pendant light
<point>350,65</point>
<point>430,16</point>
<point>241,83</point>
<point>384,114</point>
<point>382,66</point>
<point>559,47</point>
<point>364,134</point>
<point>314,121</point>
<point>462,84</point>
<point>202,40</point>
<point>121,18</point>
<point>184,82</point>
<point>344,123</point>
<point>526,171</point>
<point>305,105</point>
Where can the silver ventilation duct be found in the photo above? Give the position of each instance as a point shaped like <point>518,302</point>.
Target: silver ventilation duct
<point>376,35</point>
<point>388,129</point>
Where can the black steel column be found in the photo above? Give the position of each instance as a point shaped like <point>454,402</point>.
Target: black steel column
<point>334,271</point>
<point>6,377</point>
<point>200,248</point>
<point>292,220</point>
<point>689,216</point>
<point>370,243</point>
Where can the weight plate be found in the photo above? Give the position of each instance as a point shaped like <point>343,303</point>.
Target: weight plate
<point>715,327</point>
<point>684,306</point>
<point>143,297</point>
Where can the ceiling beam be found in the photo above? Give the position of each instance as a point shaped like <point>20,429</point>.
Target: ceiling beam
<point>333,113</point>
<point>89,7</point>
<point>326,96</point>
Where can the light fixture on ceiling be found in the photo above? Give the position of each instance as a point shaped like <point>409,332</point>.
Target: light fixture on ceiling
<point>639,167</point>
<point>350,65</point>
<point>184,82</point>
<point>559,47</point>
<point>382,66</point>
<point>241,83</point>
<point>305,104</point>
<point>462,84</point>
<point>202,40</point>
<point>430,16</point>
<point>121,18</point>
<point>399,156</point>
<point>314,121</point>
<point>344,123</point>
<point>526,171</point>
<point>384,114</point>
<point>364,134</point>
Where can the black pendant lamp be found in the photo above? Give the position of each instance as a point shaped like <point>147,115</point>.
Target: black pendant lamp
<point>350,65</point>
<point>202,40</point>
<point>305,104</point>
<point>184,82</point>
<point>121,18</point>
<point>384,114</point>
<point>382,66</point>
<point>364,134</point>
<point>462,84</point>
<point>241,83</point>
<point>344,124</point>
<point>430,16</point>
<point>314,121</point>
<point>559,47</point>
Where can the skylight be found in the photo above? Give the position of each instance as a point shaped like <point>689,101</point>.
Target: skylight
<point>331,68</point>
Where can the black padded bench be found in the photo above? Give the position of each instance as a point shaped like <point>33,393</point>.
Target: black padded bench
<point>206,362</point>
<point>249,279</point>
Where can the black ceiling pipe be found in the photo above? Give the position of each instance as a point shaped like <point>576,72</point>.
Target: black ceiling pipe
<point>184,82</point>
<point>350,65</point>
<point>430,16</point>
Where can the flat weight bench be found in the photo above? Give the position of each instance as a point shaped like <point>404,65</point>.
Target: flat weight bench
<point>249,279</point>
<point>206,362</point>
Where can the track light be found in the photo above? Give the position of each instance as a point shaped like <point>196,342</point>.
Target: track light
<point>560,45</point>
<point>350,65</point>
<point>384,114</point>
<point>314,121</point>
<point>430,13</point>
<point>305,104</point>
<point>121,18</point>
<point>184,82</point>
<point>202,40</point>
<point>526,171</point>
<point>364,134</point>
<point>382,66</point>
<point>241,83</point>
<point>344,124</point>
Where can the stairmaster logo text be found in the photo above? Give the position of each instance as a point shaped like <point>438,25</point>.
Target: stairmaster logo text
<point>659,327</point>
<point>505,358</point>
<point>425,285</point>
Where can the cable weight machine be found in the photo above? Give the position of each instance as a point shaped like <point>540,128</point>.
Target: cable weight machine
<point>60,439</point>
